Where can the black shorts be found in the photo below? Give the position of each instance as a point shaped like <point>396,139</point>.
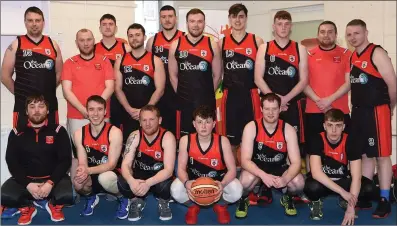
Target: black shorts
<point>294,117</point>
<point>116,110</point>
<point>20,119</point>
<point>371,130</point>
<point>237,109</point>
<point>128,125</point>
<point>167,109</point>
<point>277,171</point>
<point>184,119</point>
<point>314,124</point>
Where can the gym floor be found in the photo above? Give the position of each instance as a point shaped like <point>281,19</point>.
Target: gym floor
<point>273,214</point>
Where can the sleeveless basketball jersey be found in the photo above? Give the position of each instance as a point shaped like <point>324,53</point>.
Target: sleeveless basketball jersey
<point>138,78</point>
<point>282,67</point>
<point>334,160</point>
<point>112,53</point>
<point>195,83</point>
<point>97,148</point>
<point>368,89</point>
<point>270,150</point>
<point>161,46</point>
<point>205,163</point>
<point>239,62</point>
<point>35,71</point>
<point>149,156</point>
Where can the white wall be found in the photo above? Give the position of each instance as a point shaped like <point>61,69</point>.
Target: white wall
<point>63,20</point>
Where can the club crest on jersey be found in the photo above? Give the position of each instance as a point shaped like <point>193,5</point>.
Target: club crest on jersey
<point>203,53</point>
<point>104,148</point>
<point>260,145</point>
<point>279,145</point>
<point>146,67</point>
<point>272,58</point>
<point>248,51</point>
<point>341,156</point>
<point>98,67</point>
<point>157,154</point>
<point>291,58</point>
<point>364,64</point>
<point>47,51</point>
<point>118,56</point>
<point>49,139</point>
<point>337,59</point>
<point>214,162</point>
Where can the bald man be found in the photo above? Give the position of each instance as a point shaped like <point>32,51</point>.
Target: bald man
<point>77,86</point>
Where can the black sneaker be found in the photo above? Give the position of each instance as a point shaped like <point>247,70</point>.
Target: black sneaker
<point>363,205</point>
<point>383,210</point>
<point>265,196</point>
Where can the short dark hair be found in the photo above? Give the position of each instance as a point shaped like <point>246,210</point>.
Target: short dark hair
<point>193,12</point>
<point>334,115</point>
<point>96,98</point>
<point>167,8</point>
<point>34,9</point>
<point>357,22</point>
<point>150,107</point>
<point>271,97</point>
<point>205,112</point>
<point>109,17</point>
<point>327,22</point>
<point>236,8</point>
<point>136,26</point>
<point>282,15</point>
<point>34,98</point>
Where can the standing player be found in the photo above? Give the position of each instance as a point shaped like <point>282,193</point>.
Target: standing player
<point>329,80</point>
<point>281,67</point>
<point>195,70</point>
<point>206,154</point>
<point>113,48</point>
<point>148,165</point>
<point>373,96</point>
<point>37,62</point>
<point>140,79</point>
<point>240,101</point>
<point>159,46</point>
<point>96,168</point>
<point>335,169</point>
<point>266,145</point>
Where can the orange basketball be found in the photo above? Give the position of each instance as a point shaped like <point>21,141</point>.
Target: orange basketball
<point>204,191</point>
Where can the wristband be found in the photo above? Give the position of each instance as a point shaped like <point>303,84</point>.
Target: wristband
<point>50,182</point>
<point>184,184</point>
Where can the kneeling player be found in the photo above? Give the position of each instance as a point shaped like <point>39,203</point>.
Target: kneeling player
<point>329,159</point>
<point>98,146</point>
<point>148,165</point>
<point>206,154</point>
<point>266,145</point>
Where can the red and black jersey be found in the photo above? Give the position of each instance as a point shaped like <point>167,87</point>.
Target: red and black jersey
<point>205,163</point>
<point>282,67</point>
<point>138,78</point>
<point>334,157</point>
<point>35,71</point>
<point>97,148</point>
<point>195,82</point>
<point>113,53</point>
<point>239,62</point>
<point>368,89</point>
<point>270,149</point>
<point>149,156</point>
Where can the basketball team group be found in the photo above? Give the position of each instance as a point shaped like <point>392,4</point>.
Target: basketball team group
<point>144,119</point>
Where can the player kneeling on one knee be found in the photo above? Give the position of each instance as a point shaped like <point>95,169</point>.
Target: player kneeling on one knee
<point>148,165</point>
<point>330,154</point>
<point>98,146</point>
<point>38,157</point>
<point>266,145</point>
<point>205,154</point>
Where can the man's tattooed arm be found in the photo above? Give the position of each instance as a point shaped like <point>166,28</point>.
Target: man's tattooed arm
<point>128,144</point>
<point>10,47</point>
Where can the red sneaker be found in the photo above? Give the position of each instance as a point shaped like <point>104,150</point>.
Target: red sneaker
<point>253,199</point>
<point>222,213</point>
<point>55,212</point>
<point>192,214</point>
<point>27,214</point>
